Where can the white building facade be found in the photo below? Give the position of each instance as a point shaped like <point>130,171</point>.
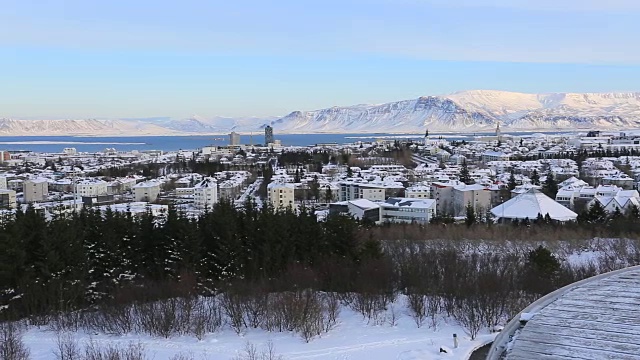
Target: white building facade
<point>205,193</point>
<point>147,191</point>
<point>91,187</point>
<point>281,195</point>
<point>35,190</point>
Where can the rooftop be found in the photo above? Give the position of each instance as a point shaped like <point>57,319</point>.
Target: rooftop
<point>409,202</point>
<point>531,203</point>
<point>592,319</point>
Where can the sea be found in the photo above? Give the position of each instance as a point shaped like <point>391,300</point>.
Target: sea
<point>55,144</point>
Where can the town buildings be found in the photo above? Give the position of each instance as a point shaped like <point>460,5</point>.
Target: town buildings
<point>36,189</point>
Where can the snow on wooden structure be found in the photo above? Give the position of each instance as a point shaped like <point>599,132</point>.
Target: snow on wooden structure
<point>597,318</point>
<point>530,204</point>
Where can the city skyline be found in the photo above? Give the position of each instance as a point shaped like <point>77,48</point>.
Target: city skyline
<point>72,59</point>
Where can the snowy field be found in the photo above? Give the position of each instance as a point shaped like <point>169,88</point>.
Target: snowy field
<point>352,339</point>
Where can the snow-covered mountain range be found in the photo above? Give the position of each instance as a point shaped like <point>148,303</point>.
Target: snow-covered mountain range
<point>475,110</point>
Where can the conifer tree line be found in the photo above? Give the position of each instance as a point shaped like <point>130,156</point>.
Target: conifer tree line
<point>74,261</point>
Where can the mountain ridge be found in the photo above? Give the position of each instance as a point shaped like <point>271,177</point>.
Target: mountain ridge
<point>473,110</point>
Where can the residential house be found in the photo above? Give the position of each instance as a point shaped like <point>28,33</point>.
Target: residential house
<point>205,193</point>
<point>147,191</point>
<point>418,191</point>
<point>91,187</point>
<point>488,156</point>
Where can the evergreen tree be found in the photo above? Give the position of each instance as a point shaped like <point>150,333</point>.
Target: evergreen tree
<point>349,171</point>
<point>314,189</point>
<point>616,214</point>
<point>535,177</point>
<point>464,176</point>
<point>543,262</point>
<point>471,218</point>
<point>596,214</point>
<point>328,195</point>
<point>512,182</point>
<point>489,219</point>
<point>550,186</point>
<point>296,178</point>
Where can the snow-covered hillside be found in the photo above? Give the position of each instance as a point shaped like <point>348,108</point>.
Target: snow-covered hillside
<point>64,127</point>
<point>475,110</point>
<point>393,335</point>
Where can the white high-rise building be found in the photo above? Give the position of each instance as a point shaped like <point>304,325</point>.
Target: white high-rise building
<point>234,138</point>
<point>205,193</point>
<point>281,195</point>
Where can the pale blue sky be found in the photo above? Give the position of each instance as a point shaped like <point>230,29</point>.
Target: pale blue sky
<point>146,58</point>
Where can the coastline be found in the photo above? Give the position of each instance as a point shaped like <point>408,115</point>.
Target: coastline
<point>257,133</point>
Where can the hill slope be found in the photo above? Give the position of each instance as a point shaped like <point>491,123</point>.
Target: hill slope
<point>475,110</point>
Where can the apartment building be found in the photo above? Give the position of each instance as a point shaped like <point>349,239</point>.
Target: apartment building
<point>36,189</point>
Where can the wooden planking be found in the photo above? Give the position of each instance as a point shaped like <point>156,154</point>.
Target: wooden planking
<point>598,320</point>
<point>587,333</point>
<point>527,350</point>
<point>610,343</point>
<point>588,324</point>
<point>593,317</point>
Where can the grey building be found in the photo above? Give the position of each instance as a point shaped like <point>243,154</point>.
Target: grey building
<point>268,135</point>
<point>234,138</point>
<point>35,190</point>
<point>7,199</point>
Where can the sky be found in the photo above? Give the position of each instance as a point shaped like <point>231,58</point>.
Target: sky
<point>148,58</point>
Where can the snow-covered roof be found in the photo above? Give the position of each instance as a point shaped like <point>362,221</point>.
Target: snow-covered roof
<point>91,181</point>
<point>37,180</point>
<point>409,202</point>
<point>472,187</point>
<point>530,204</point>
<point>207,182</point>
<point>280,185</point>
<point>147,184</point>
<point>364,204</point>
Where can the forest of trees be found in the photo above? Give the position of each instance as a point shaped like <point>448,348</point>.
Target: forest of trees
<point>75,261</point>
<point>257,267</point>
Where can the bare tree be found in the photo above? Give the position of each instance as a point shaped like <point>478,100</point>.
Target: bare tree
<point>11,345</point>
<point>67,347</point>
<point>467,313</point>
<point>417,308</point>
<point>251,352</point>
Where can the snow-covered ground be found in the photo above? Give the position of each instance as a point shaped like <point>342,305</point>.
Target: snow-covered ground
<point>352,339</point>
